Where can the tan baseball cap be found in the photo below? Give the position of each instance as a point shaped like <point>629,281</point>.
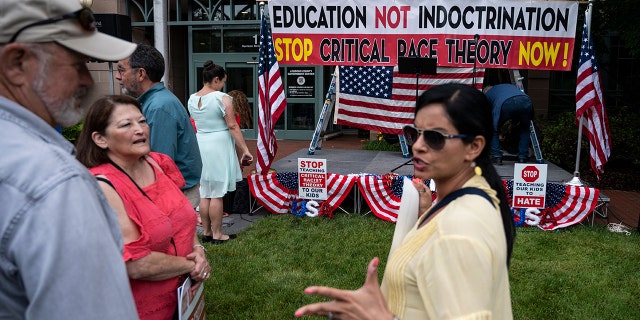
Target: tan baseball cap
<point>62,21</point>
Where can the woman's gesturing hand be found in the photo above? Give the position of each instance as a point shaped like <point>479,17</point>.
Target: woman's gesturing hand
<point>365,303</point>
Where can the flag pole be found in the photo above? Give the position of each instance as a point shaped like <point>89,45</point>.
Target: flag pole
<point>267,96</point>
<point>575,181</point>
<point>262,109</point>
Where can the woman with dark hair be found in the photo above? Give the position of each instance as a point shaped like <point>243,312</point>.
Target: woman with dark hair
<point>157,220</point>
<point>454,262</point>
<point>217,133</point>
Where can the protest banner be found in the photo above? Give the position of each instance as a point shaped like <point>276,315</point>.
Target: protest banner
<point>510,34</point>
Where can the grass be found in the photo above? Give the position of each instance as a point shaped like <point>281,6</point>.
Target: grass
<point>576,273</point>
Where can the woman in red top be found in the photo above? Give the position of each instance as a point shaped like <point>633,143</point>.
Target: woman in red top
<point>157,221</point>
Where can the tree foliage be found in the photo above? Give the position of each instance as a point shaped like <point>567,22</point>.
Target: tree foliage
<point>619,16</point>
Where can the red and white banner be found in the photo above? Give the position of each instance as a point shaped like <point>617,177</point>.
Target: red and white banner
<point>512,34</point>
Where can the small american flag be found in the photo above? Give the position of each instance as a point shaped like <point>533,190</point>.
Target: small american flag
<point>382,99</point>
<point>271,102</point>
<point>590,105</point>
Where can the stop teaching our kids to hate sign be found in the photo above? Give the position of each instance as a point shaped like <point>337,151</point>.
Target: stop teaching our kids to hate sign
<point>511,34</point>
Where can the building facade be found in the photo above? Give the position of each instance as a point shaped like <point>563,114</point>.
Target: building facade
<point>227,32</point>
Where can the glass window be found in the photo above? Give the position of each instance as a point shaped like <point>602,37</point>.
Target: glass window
<point>300,116</point>
<point>207,41</point>
<point>224,10</point>
<point>242,79</point>
<point>241,41</point>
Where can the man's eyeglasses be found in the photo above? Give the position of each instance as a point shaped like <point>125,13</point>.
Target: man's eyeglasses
<point>434,139</point>
<point>85,18</point>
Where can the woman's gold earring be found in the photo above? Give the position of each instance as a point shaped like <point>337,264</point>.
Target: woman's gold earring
<point>476,168</point>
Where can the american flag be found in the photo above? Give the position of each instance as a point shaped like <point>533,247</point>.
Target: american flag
<point>382,99</point>
<point>590,105</point>
<point>565,205</point>
<point>275,191</point>
<point>271,102</point>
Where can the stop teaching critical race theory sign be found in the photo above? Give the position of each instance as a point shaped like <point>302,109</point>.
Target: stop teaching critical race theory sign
<point>529,185</point>
<point>312,179</point>
<point>512,34</point>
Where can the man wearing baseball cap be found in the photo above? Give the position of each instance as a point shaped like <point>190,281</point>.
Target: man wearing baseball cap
<point>60,242</point>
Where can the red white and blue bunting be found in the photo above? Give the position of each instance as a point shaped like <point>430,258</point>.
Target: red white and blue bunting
<point>565,205</point>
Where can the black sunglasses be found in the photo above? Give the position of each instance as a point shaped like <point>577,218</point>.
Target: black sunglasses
<point>85,18</point>
<point>434,139</point>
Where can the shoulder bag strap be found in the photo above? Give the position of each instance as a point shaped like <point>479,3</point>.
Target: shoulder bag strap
<point>454,195</point>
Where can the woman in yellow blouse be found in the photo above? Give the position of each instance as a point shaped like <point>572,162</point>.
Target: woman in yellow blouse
<point>454,262</point>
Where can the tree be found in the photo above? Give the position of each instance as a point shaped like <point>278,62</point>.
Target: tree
<point>620,16</point>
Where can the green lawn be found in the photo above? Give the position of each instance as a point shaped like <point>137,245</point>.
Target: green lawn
<point>576,273</point>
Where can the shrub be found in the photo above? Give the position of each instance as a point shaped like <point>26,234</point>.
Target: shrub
<point>622,171</point>
<point>558,141</point>
<point>381,145</point>
<point>72,133</point>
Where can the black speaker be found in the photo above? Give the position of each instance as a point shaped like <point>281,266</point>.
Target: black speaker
<point>116,25</point>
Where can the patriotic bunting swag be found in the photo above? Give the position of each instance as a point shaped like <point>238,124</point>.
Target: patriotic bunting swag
<point>566,205</point>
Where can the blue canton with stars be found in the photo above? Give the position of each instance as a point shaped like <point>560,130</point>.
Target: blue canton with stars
<point>266,57</point>
<point>586,50</point>
<point>374,82</point>
<point>398,182</point>
<point>396,186</point>
<point>555,194</point>
<point>288,179</point>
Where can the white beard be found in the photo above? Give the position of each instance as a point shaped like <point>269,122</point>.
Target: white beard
<point>62,112</point>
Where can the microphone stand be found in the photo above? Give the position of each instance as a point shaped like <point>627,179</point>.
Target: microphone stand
<point>475,57</point>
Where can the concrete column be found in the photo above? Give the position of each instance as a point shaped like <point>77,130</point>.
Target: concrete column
<point>160,33</point>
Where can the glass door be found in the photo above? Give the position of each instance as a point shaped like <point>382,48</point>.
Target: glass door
<point>241,75</point>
